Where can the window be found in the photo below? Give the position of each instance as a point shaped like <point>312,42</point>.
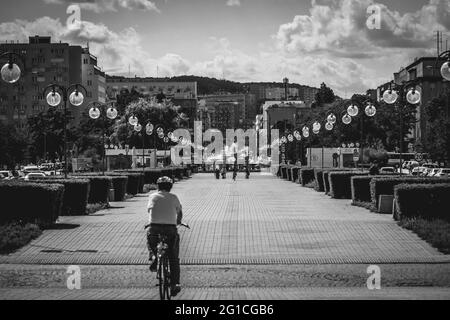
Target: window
<point>85,61</point>
<point>89,82</point>
<point>412,74</point>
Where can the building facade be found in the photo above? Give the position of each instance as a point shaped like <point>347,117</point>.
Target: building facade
<point>45,63</point>
<point>151,87</point>
<point>424,75</point>
<point>183,94</point>
<point>48,63</point>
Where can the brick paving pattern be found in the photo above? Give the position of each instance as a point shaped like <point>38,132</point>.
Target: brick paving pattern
<point>263,220</point>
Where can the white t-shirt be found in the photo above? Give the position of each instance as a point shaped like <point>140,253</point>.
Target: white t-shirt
<point>163,208</point>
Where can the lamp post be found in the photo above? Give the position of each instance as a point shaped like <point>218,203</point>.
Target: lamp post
<point>396,95</point>
<point>11,72</point>
<point>98,109</point>
<point>353,111</point>
<point>306,134</point>
<point>75,98</point>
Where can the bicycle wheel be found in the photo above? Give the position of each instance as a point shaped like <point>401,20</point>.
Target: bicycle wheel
<point>161,279</point>
<point>166,277</point>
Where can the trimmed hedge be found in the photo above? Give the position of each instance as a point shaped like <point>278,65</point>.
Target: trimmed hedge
<point>385,185</point>
<point>100,186</point>
<point>135,183</point>
<point>422,200</point>
<point>31,202</point>
<point>295,174</point>
<point>318,183</point>
<point>361,188</point>
<point>76,192</point>
<point>120,186</point>
<point>306,176</point>
<point>284,174</point>
<point>340,183</point>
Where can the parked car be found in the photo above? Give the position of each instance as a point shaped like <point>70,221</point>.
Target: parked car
<point>387,170</point>
<point>419,171</point>
<point>443,172</point>
<point>5,175</point>
<point>26,170</point>
<point>432,172</point>
<point>35,175</point>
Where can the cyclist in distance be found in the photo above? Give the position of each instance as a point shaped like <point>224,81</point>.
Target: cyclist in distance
<point>165,213</point>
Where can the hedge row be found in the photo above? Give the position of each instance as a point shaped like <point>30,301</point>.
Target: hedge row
<point>306,176</point>
<point>120,187</point>
<point>361,187</point>
<point>39,203</point>
<point>76,192</point>
<point>318,183</point>
<point>325,177</point>
<point>422,200</point>
<point>295,173</point>
<point>100,186</point>
<point>386,185</point>
<point>340,183</point>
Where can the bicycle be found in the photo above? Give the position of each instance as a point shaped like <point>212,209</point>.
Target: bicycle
<point>163,270</point>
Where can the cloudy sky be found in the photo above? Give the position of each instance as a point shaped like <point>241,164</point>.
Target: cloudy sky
<point>244,40</point>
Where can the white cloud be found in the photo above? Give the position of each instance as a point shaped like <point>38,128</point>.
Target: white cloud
<point>110,5</point>
<point>233,3</point>
<point>338,27</point>
<point>331,44</point>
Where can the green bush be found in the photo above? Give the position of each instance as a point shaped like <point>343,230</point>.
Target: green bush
<point>361,189</point>
<point>318,183</point>
<point>135,183</point>
<point>284,174</point>
<point>340,183</point>
<point>14,235</point>
<point>99,190</point>
<point>31,202</point>
<point>385,185</point>
<point>434,231</point>
<point>76,192</point>
<point>422,200</point>
<point>325,177</point>
<point>120,187</point>
<point>306,176</point>
<point>295,173</point>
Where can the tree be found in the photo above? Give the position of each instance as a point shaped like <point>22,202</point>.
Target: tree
<point>167,116</point>
<point>380,132</point>
<point>438,135</point>
<point>125,97</point>
<point>12,145</point>
<point>47,132</point>
<point>324,95</point>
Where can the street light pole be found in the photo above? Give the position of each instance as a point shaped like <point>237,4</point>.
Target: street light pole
<point>54,98</point>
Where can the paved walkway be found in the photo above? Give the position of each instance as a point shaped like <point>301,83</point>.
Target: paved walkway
<point>263,220</point>
<point>231,294</point>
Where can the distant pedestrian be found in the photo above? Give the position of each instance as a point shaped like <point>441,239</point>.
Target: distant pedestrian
<point>224,172</point>
<point>217,171</point>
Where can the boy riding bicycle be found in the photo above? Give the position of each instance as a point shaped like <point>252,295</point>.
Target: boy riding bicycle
<point>165,213</point>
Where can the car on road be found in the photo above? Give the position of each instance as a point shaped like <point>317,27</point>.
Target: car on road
<point>443,172</point>
<point>419,171</point>
<point>385,170</point>
<point>35,175</point>
<point>5,175</point>
<point>432,172</point>
<point>28,169</point>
